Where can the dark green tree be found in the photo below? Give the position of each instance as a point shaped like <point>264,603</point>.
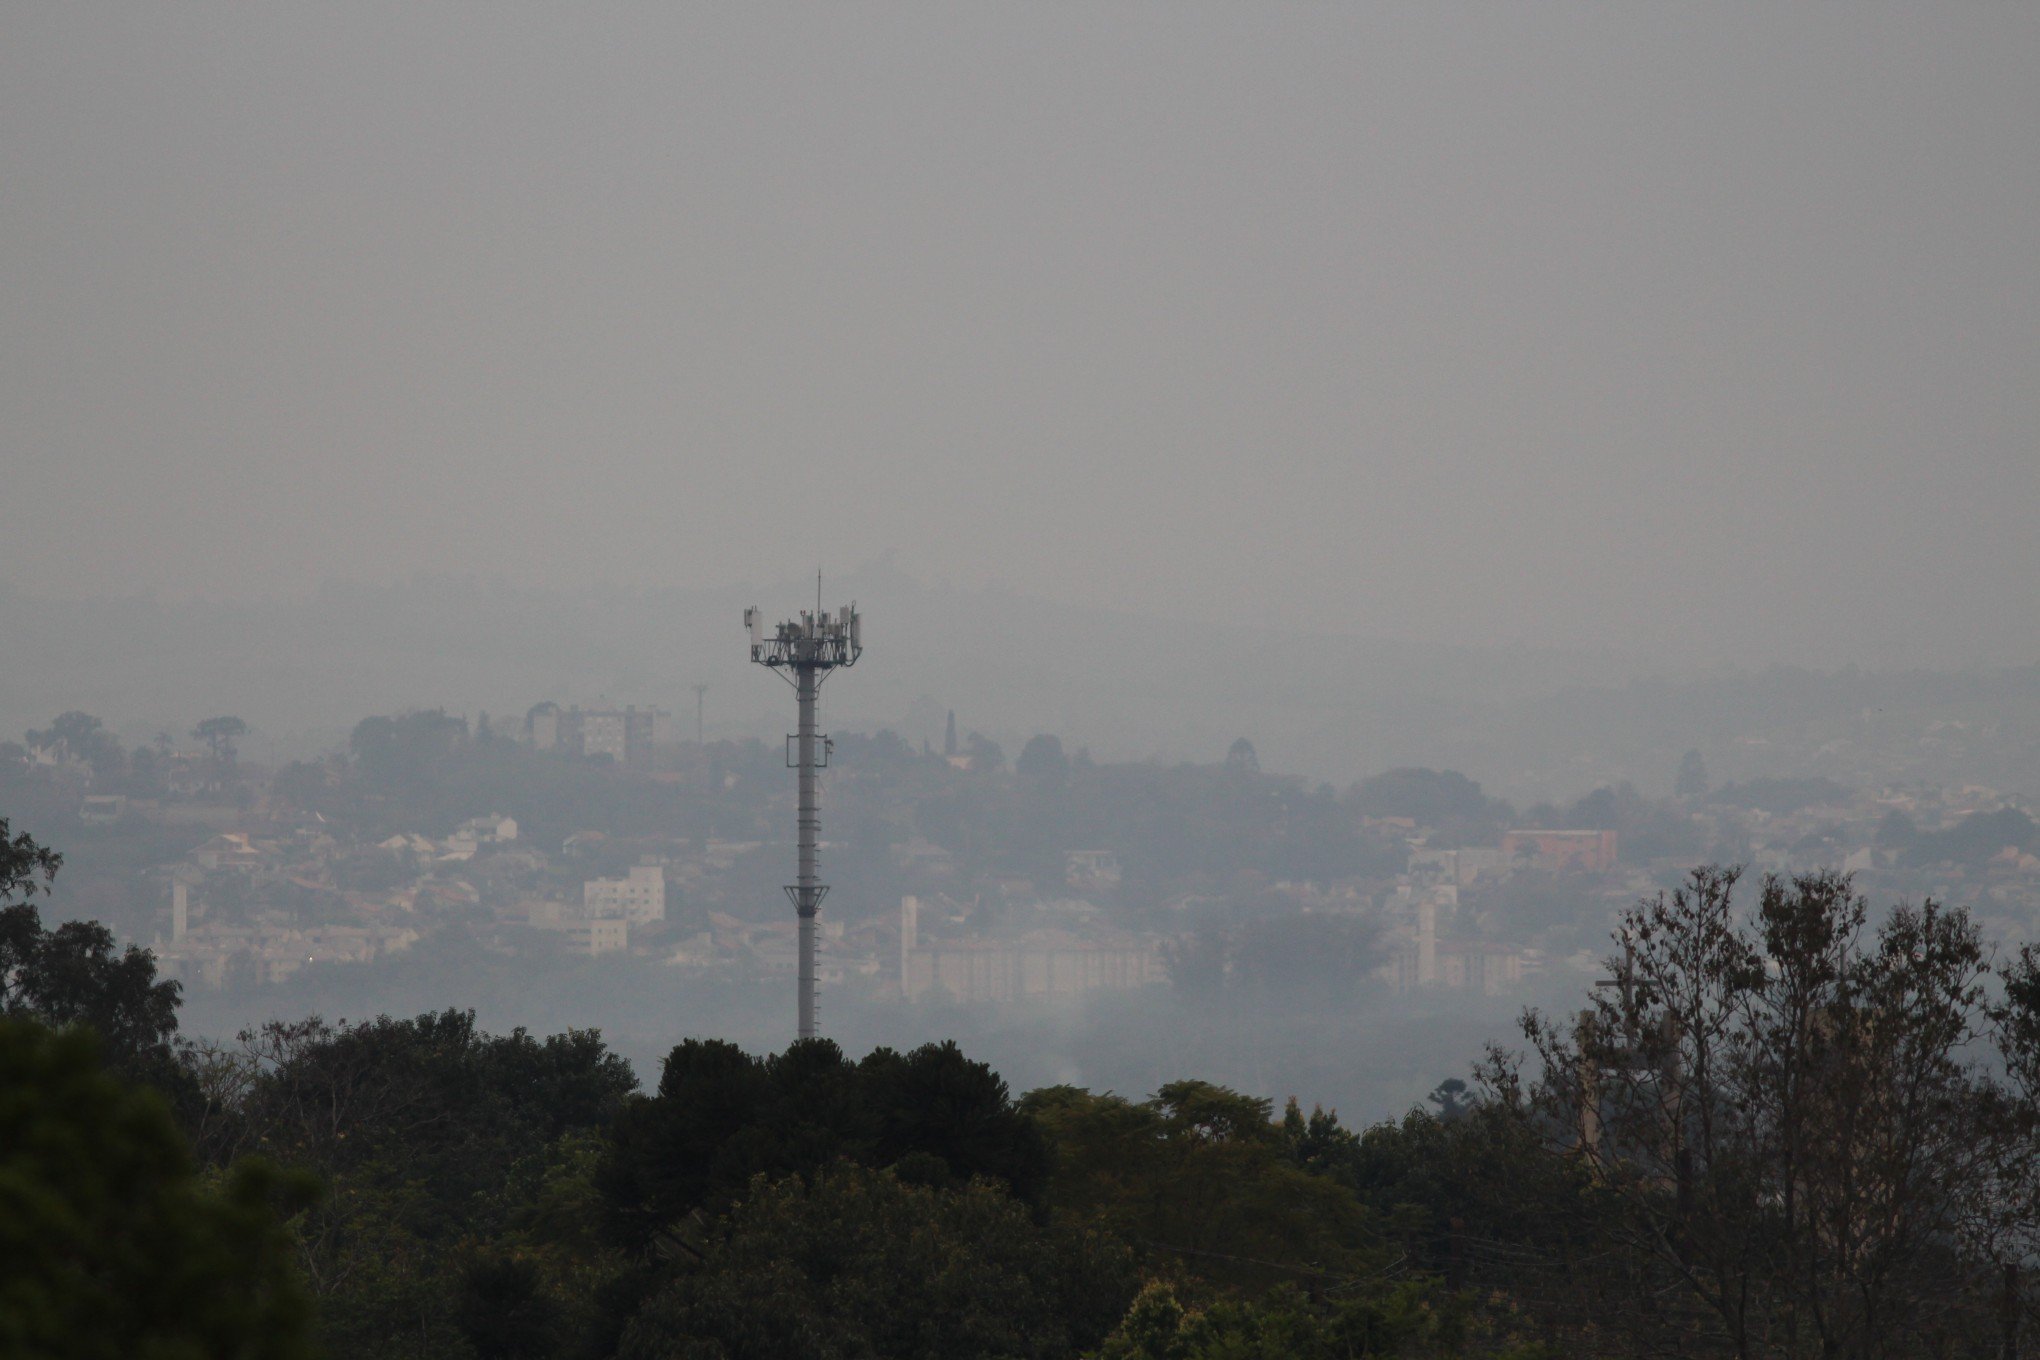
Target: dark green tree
<point>1203,1182</point>
<point>219,735</point>
<point>984,753</point>
<point>1042,763</point>
<point>851,1263</point>
<point>110,1244</point>
<point>722,1117</point>
<point>1452,1098</point>
<point>1596,811</point>
<point>145,773</point>
<point>435,1138</point>
<point>1297,960</point>
<point>397,754</point>
<point>1285,961</point>
<point>505,1312</point>
<point>74,975</point>
<point>26,868</point>
<point>83,737</point>
<point>1430,797</point>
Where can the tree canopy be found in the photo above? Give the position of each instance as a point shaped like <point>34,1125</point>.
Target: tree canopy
<point>111,1245</point>
<point>1783,1118</point>
<point>76,975</point>
<point>1431,797</point>
<point>26,867</point>
<point>722,1117</point>
<point>851,1263</point>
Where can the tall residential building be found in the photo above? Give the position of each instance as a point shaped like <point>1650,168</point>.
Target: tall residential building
<point>639,897</point>
<point>626,735</point>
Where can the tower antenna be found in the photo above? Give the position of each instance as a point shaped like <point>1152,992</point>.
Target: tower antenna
<point>802,652</point>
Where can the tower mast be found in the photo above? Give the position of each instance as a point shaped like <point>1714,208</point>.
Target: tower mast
<point>803,651</point>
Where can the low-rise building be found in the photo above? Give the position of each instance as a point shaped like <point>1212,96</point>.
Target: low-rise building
<point>229,850</point>
<point>1091,870</point>
<point>490,830</point>
<point>1589,852</point>
<point>102,809</point>
<point>1035,965</point>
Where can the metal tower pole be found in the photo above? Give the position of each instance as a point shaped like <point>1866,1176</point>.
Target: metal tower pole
<point>803,652</point>
<point>808,889</point>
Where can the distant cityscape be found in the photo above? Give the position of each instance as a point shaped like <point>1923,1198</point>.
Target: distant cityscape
<point>966,880</point>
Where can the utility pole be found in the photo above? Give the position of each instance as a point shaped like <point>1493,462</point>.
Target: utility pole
<point>700,699</point>
<point>803,652</point>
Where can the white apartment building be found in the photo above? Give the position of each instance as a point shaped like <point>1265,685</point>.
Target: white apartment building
<point>639,897</point>
<point>602,733</point>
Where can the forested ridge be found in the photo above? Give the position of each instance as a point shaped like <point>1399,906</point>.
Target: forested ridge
<point>1786,1125</point>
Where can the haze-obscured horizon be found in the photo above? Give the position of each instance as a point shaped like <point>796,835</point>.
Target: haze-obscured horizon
<point>1528,722</point>
<point>1696,338</point>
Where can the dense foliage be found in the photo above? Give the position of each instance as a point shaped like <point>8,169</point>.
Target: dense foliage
<point>851,1263</point>
<point>722,1118</point>
<point>111,1243</point>
<point>75,975</point>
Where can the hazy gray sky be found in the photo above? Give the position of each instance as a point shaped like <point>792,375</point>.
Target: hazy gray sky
<point>1705,330</point>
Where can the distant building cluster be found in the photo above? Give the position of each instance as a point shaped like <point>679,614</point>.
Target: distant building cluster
<point>609,907</point>
<point>1439,903</point>
<point>218,953</point>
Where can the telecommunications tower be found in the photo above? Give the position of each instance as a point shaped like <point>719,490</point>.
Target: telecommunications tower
<point>803,652</point>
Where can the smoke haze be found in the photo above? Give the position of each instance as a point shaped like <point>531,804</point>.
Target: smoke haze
<point>1539,393</point>
<point>1696,335</point>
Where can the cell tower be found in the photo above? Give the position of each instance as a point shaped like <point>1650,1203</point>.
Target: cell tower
<point>803,652</point>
